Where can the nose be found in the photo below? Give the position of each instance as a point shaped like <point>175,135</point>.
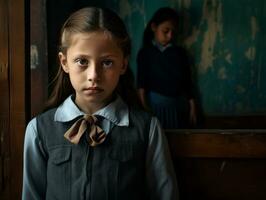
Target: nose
<point>170,35</point>
<point>93,73</point>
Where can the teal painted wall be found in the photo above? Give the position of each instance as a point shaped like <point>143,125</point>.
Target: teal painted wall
<point>226,38</point>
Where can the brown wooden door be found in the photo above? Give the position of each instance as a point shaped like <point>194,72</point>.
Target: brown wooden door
<point>12,94</point>
<point>4,105</point>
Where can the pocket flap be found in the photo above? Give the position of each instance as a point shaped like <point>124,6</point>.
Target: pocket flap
<point>60,155</point>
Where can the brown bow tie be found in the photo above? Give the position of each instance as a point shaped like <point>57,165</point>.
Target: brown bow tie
<point>96,134</point>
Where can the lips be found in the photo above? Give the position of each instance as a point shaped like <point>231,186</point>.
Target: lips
<point>93,90</point>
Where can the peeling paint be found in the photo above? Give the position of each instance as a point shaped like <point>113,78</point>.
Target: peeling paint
<point>251,53</point>
<point>228,58</point>
<point>34,56</point>
<point>184,4</point>
<point>222,73</point>
<point>189,41</point>
<point>254,27</point>
<point>126,8</point>
<point>212,14</point>
<point>226,39</point>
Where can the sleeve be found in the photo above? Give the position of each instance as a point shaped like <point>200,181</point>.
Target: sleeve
<point>187,64</point>
<point>34,166</point>
<point>141,70</point>
<point>161,177</point>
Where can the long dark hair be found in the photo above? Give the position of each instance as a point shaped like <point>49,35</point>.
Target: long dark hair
<point>161,15</point>
<point>91,19</point>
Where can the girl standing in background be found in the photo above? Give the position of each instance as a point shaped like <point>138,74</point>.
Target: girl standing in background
<point>164,77</point>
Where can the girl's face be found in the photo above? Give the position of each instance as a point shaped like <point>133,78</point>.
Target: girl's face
<point>94,63</point>
<point>164,32</point>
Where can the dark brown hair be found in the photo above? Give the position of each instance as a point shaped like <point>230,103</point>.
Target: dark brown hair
<point>92,19</point>
<point>161,15</point>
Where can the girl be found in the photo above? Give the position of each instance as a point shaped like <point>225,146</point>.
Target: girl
<point>164,78</point>
<point>94,142</point>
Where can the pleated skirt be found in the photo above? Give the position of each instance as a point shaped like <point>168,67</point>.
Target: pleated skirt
<point>172,112</point>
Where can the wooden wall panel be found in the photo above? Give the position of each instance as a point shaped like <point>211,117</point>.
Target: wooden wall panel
<point>4,104</point>
<point>218,143</point>
<point>12,92</point>
<point>17,93</point>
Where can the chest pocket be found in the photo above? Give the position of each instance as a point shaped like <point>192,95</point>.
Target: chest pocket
<point>60,155</point>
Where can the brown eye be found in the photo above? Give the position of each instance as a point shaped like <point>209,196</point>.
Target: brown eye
<point>107,63</point>
<point>166,31</point>
<point>82,61</point>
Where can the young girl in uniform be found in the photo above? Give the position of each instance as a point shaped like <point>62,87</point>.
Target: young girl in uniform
<point>95,142</point>
<point>164,78</point>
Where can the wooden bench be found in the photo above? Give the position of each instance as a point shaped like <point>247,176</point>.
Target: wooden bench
<point>219,164</point>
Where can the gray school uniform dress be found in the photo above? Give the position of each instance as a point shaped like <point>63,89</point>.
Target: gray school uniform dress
<point>132,163</point>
